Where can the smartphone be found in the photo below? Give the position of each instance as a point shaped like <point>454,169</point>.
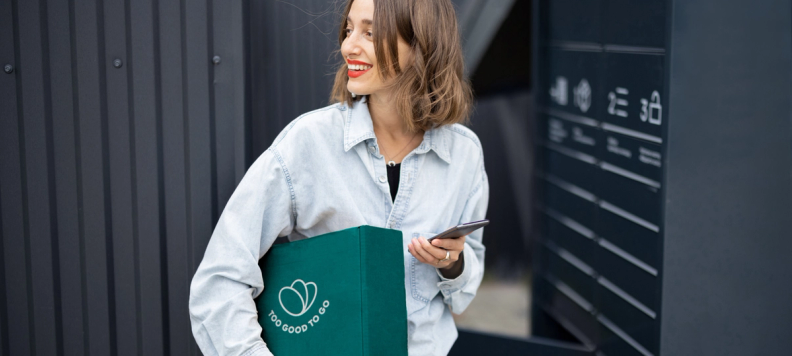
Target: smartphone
<point>460,230</point>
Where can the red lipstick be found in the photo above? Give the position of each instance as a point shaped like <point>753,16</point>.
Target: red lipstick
<point>356,73</point>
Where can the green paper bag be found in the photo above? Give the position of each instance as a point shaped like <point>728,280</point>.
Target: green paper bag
<point>340,293</point>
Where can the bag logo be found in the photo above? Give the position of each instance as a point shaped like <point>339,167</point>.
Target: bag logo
<point>301,286</point>
<point>296,299</point>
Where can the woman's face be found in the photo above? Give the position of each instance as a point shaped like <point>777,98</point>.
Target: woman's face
<point>358,51</point>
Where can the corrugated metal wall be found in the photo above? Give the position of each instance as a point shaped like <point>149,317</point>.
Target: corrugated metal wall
<point>292,62</point>
<point>120,141</point>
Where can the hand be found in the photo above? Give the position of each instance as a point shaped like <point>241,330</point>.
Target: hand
<point>432,253</point>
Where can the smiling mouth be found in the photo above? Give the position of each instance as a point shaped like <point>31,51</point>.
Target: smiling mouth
<point>358,69</point>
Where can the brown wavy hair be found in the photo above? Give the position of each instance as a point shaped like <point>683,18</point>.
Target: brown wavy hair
<point>431,91</point>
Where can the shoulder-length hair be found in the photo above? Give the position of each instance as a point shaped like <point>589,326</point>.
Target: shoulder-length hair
<point>431,90</point>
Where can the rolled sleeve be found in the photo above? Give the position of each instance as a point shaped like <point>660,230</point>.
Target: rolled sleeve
<point>222,311</point>
<point>258,350</point>
<point>459,292</point>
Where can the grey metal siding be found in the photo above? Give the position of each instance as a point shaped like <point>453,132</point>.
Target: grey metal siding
<point>120,142</point>
<point>292,64</point>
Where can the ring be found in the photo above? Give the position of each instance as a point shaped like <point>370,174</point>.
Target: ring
<point>447,257</point>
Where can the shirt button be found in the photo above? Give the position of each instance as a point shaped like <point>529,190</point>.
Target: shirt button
<point>383,179</point>
<point>372,149</point>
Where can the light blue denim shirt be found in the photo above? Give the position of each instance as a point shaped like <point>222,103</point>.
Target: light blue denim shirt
<point>325,173</point>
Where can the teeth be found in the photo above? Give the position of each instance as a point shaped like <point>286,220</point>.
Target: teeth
<point>358,67</point>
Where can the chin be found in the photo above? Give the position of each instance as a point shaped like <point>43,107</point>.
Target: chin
<point>358,90</point>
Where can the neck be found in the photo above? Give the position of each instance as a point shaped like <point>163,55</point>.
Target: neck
<point>395,140</point>
<point>385,118</point>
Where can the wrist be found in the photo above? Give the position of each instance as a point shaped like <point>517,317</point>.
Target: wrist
<point>450,266</point>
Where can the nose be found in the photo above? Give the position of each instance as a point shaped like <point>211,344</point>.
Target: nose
<point>350,46</point>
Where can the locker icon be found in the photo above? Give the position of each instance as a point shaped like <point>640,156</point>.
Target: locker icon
<point>652,111</point>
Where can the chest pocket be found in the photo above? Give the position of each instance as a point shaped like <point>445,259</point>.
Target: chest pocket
<point>423,280</point>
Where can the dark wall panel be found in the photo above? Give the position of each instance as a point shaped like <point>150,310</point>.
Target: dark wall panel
<point>35,156</point>
<point>69,274</point>
<point>120,142</point>
<point>120,114</point>
<point>146,171</point>
<point>729,220</point>
<point>11,182</point>
<point>199,159</point>
<point>174,188</point>
<point>292,65</point>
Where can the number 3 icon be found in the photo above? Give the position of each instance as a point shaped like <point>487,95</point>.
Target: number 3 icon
<point>652,111</point>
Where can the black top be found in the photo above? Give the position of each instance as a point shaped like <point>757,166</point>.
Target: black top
<point>393,179</point>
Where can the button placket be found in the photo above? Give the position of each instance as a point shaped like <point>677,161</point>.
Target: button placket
<point>380,177</point>
<point>408,166</point>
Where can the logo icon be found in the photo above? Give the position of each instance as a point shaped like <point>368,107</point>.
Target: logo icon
<point>558,91</point>
<point>583,95</point>
<point>303,304</point>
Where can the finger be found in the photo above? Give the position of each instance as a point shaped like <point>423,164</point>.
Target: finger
<point>435,251</point>
<point>414,253</point>
<point>452,259</point>
<point>428,257</point>
<point>456,244</point>
<point>454,255</point>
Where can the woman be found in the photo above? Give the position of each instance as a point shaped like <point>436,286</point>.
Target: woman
<point>388,154</point>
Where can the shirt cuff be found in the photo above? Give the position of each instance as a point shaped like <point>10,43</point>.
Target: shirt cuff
<point>258,350</point>
<point>451,286</point>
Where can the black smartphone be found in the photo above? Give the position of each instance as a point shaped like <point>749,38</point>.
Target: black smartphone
<point>460,230</point>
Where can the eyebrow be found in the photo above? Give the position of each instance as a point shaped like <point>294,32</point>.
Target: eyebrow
<point>364,21</point>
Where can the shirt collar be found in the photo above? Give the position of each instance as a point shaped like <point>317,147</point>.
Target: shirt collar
<point>436,140</point>
<point>357,124</point>
<point>358,128</point>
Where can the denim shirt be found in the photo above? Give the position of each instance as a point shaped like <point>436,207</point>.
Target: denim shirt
<point>324,173</point>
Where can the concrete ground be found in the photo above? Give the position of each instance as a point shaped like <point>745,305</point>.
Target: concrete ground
<point>500,307</point>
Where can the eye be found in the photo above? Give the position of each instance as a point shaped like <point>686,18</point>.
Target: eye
<point>369,34</point>
<point>348,32</point>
